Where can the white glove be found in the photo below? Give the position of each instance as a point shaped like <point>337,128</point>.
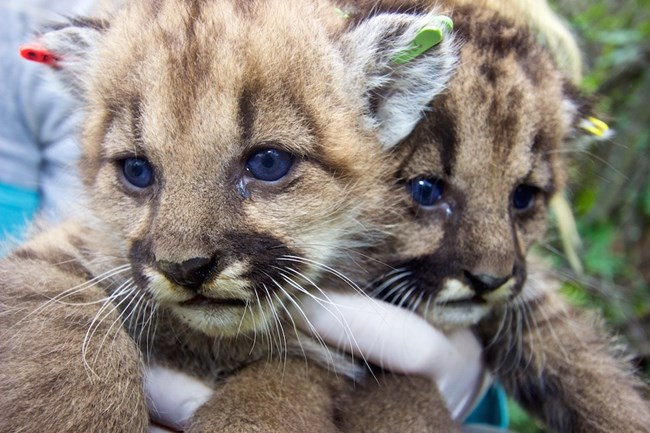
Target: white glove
<point>173,397</point>
<point>400,341</point>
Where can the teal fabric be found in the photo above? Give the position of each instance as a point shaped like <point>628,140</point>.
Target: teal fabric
<point>492,409</point>
<point>17,207</point>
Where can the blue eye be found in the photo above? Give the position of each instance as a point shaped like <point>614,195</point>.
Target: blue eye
<point>523,197</point>
<point>269,164</point>
<point>138,172</point>
<point>426,191</point>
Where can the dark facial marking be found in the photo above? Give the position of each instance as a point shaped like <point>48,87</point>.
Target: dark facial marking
<point>140,254</point>
<point>488,70</point>
<point>439,126</point>
<point>190,62</point>
<point>261,252</point>
<point>507,115</point>
<point>135,107</point>
<point>246,115</point>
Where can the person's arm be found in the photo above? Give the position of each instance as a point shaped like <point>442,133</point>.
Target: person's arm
<point>19,151</point>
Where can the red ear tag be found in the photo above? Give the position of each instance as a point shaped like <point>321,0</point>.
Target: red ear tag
<point>39,54</point>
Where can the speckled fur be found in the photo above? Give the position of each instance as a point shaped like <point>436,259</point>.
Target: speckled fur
<point>503,122</point>
<point>146,95</point>
<point>195,87</point>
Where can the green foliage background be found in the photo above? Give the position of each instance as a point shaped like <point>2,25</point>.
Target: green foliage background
<point>610,180</point>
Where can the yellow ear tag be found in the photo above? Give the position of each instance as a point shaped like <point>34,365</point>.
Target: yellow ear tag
<point>427,38</point>
<point>595,127</point>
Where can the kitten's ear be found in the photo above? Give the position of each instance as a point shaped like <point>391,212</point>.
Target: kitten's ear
<point>68,49</point>
<point>578,114</point>
<point>397,64</point>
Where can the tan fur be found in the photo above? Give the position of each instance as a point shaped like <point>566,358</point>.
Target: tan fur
<point>152,80</point>
<point>193,89</point>
<point>549,28</point>
<point>562,365</point>
<point>296,396</point>
<point>502,123</point>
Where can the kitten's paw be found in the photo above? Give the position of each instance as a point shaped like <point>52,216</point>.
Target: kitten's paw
<point>225,424</point>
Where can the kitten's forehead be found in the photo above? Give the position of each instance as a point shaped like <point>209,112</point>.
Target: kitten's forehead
<point>221,45</point>
<point>503,113</point>
<point>213,45</point>
<point>223,75</point>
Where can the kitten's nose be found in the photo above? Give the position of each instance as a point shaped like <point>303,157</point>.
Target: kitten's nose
<point>190,273</point>
<point>483,283</point>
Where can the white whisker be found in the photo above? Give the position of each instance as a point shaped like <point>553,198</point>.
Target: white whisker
<point>118,319</point>
<point>395,291</point>
<point>99,317</point>
<point>495,338</point>
<point>282,342</point>
<point>549,325</point>
<point>406,296</point>
<point>351,343</point>
<point>389,282</point>
<point>326,268</point>
<point>153,320</point>
<point>418,302</point>
<point>302,290</point>
<point>78,289</point>
<point>241,321</point>
<point>259,304</point>
<point>529,327</point>
<point>126,293</point>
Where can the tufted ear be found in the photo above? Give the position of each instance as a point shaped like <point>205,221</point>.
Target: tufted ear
<point>67,48</point>
<point>397,64</point>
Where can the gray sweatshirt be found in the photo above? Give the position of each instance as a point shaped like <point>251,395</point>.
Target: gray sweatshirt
<point>38,120</point>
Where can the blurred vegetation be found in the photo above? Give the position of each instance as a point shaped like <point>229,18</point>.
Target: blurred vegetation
<point>610,180</point>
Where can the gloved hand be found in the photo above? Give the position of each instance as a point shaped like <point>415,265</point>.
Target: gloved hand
<point>386,335</point>
<point>400,341</point>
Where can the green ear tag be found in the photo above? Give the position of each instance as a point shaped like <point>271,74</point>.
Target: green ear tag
<point>426,39</point>
<point>342,13</point>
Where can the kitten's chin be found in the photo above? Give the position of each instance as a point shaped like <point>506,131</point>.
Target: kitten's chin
<point>221,319</point>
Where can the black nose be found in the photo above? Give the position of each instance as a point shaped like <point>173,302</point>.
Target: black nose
<point>483,284</point>
<point>190,273</point>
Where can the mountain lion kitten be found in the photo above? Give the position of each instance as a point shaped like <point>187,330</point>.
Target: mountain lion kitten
<point>231,161</point>
<point>479,172</point>
<point>477,175</point>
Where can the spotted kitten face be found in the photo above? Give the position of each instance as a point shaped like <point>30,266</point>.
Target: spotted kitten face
<point>232,151</point>
<point>219,162</point>
<point>477,175</point>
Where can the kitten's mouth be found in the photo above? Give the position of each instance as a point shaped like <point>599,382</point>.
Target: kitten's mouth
<point>463,302</point>
<point>204,301</point>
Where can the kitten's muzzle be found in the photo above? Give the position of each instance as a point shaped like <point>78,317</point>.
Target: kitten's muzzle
<point>204,301</point>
